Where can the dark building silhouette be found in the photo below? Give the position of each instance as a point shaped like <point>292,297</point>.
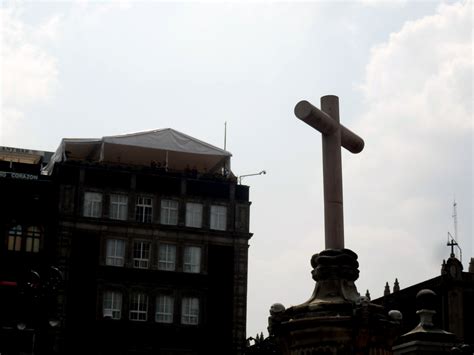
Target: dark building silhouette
<point>454,301</point>
<point>151,234</point>
<point>27,224</point>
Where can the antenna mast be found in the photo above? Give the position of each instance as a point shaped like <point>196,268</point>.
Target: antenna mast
<point>225,135</point>
<point>455,218</point>
<point>452,240</point>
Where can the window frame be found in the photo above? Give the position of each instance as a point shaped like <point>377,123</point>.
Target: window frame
<point>169,214</point>
<point>190,310</point>
<point>34,235</point>
<point>142,307</point>
<point>114,257</point>
<point>144,211</point>
<point>144,251</point>
<point>116,302</point>
<point>166,260</point>
<point>89,205</point>
<point>190,265</point>
<point>194,219</point>
<point>164,310</point>
<point>15,238</point>
<point>118,210</point>
<point>216,222</point>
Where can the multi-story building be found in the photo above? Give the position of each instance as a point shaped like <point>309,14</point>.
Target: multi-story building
<point>151,234</point>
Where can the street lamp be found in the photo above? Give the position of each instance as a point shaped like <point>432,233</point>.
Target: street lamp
<point>242,176</point>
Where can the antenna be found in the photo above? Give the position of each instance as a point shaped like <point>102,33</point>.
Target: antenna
<point>455,218</point>
<point>225,135</point>
<point>452,240</point>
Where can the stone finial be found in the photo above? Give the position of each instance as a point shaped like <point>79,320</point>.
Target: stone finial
<point>426,299</point>
<point>395,315</point>
<point>425,338</point>
<point>276,316</point>
<point>471,265</point>
<point>396,286</point>
<point>386,292</point>
<point>425,305</point>
<point>367,294</point>
<point>276,308</point>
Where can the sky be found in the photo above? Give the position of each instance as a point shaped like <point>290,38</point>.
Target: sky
<point>403,72</point>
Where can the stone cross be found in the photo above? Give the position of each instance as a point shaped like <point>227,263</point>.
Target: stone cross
<point>334,135</point>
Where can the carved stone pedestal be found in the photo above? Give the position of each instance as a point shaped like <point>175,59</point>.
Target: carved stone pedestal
<point>335,320</point>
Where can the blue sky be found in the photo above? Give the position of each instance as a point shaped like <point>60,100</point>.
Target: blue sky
<point>402,71</point>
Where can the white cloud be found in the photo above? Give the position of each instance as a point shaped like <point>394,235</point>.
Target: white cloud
<point>29,73</point>
<point>91,13</point>
<point>373,3</point>
<point>418,128</point>
<point>50,29</point>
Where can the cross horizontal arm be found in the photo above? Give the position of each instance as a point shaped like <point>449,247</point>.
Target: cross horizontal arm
<point>322,122</point>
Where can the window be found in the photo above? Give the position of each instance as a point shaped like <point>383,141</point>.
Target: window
<point>190,310</point>
<point>192,259</point>
<point>118,207</point>
<point>193,215</point>
<point>92,204</point>
<point>169,212</point>
<point>164,309</point>
<point>144,209</point>
<point>112,305</point>
<point>141,254</point>
<point>219,218</point>
<point>33,239</point>
<point>138,307</point>
<point>14,238</point>
<point>115,252</point>
<point>167,257</point>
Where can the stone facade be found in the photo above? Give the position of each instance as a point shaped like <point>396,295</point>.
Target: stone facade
<point>218,283</point>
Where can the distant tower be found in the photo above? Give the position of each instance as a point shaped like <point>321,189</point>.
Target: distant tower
<point>367,294</point>
<point>386,292</point>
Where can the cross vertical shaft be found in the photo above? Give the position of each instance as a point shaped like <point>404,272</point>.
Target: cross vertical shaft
<point>332,178</point>
<point>334,136</point>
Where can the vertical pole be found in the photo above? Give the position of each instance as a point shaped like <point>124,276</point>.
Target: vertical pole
<point>225,135</point>
<point>332,179</point>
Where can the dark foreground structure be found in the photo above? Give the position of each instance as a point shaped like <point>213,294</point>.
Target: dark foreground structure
<point>454,304</point>
<point>150,234</point>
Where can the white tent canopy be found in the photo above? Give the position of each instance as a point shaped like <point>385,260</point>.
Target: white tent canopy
<point>165,148</point>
